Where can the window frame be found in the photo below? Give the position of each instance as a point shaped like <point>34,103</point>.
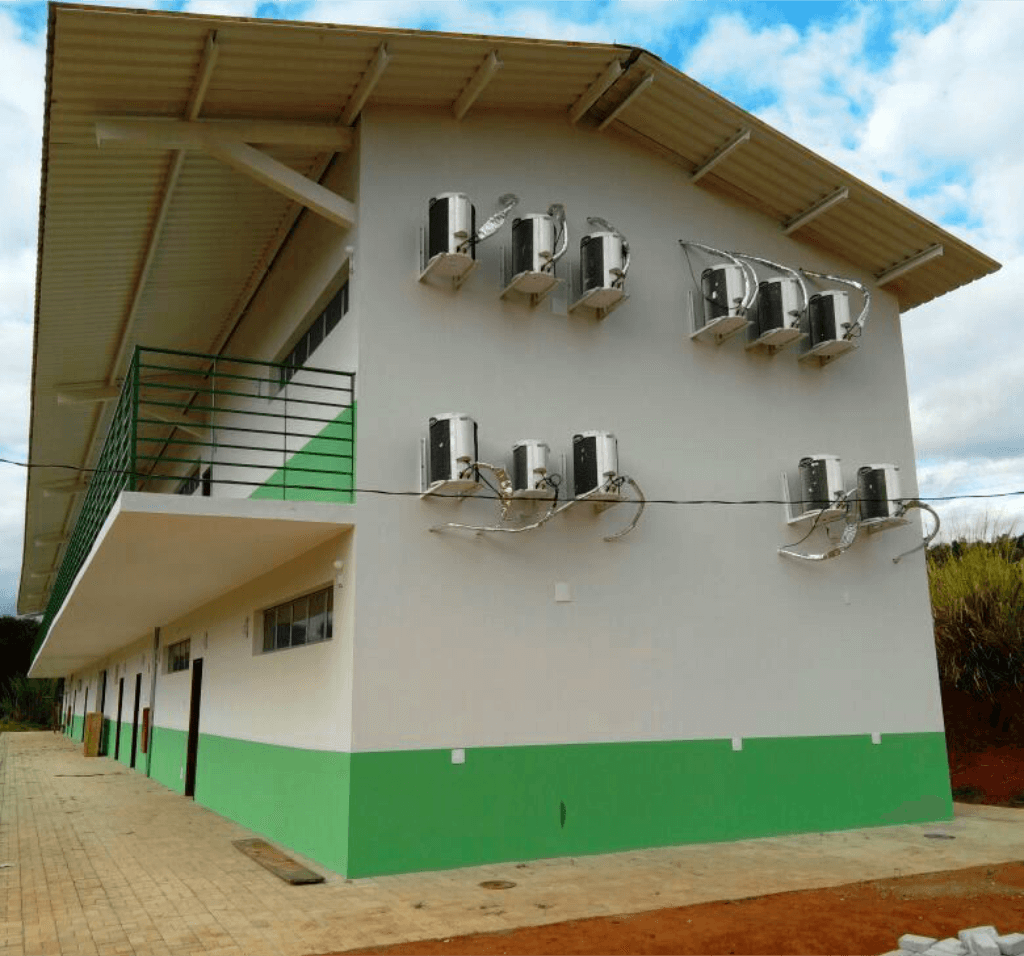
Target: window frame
<point>173,659</point>
<point>270,640</point>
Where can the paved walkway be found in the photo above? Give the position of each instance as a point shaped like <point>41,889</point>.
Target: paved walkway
<point>97,859</point>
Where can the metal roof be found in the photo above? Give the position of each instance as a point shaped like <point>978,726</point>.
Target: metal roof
<point>166,247</point>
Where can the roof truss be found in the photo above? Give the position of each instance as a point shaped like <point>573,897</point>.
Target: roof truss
<point>484,74</point>
<point>733,142</point>
<point>912,262</point>
<point>822,205</point>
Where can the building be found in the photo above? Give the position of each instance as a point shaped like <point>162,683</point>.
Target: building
<point>229,269</point>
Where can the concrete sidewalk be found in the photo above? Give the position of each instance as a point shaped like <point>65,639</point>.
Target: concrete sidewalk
<point>97,859</point>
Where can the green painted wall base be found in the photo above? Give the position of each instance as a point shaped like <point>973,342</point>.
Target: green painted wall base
<point>415,810</point>
<point>367,814</point>
<point>296,797</point>
<point>125,753</point>
<point>168,758</point>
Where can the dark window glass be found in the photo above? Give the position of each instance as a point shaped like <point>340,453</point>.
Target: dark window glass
<point>336,308</point>
<point>300,611</point>
<point>284,625</point>
<point>315,335</point>
<point>317,613</point>
<point>207,482</point>
<point>268,629</point>
<point>306,620</point>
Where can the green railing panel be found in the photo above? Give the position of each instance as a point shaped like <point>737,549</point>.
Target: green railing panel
<point>187,423</point>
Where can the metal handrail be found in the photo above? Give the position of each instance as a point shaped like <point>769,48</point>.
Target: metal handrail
<point>136,453</point>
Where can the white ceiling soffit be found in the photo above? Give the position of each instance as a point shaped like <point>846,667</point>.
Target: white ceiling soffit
<point>130,234</point>
<point>207,546</point>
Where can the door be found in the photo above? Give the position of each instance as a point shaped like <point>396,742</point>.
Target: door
<point>135,720</point>
<point>120,708</point>
<point>85,712</point>
<point>192,751</point>
<point>103,711</point>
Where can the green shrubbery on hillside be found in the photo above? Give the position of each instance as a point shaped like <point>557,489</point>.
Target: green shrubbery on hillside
<point>22,701</point>
<point>977,593</point>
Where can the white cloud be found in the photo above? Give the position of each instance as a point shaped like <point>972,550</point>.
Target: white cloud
<point>940,123</point>
<point>223,8</point>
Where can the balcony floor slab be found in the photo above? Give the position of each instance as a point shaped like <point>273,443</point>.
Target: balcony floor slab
<point>157,557</point>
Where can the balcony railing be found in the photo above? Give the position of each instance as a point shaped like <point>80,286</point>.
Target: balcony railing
<point>196,424</point>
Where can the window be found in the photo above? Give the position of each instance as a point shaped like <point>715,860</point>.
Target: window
<point>306,620</point>
<point>318,330</point>
<point>177,656</point>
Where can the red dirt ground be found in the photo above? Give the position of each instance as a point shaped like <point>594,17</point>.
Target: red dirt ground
<point>856,918</point>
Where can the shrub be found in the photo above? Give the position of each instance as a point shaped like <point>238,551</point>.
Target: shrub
<point>27,701</point>
<point>977,593</point>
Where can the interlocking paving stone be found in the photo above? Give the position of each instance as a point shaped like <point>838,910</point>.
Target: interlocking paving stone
<point>115,864</point>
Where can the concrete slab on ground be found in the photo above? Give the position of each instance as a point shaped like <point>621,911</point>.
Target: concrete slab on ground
<point>105,861</point>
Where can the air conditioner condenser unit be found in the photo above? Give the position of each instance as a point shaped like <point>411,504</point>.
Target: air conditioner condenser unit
<point>776,314</point>
<point>718,311</point>
<point>529,268</point>
<point>451,454</point>
<point>878,493</point>
<point>595,460</point>
<point>599,285</point>
<point>451,236</point>
<point>530,470</point>
<point>828,319</point>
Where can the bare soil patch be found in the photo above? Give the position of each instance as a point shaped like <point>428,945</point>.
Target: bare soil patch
<point>856,918</point>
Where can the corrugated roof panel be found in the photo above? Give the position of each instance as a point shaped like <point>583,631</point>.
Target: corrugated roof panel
<point>99,205</point>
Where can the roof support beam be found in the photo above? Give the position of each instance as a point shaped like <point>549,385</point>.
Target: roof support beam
<point>733,142</point>
<point>366,85</point>
<point>595,91</point>
<point>195,102</point>
<point>902,268</point>
<point>45,540</point>
<point>81,393</point>
<point>285,180</point>
<point>188,425</point>
<point>476,86</point>
<point>164,133</point>
<point>632,95</point>
<point>822,205</point>
<point>72,486</point>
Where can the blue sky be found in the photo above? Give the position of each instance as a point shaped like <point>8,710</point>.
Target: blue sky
<point>923,100</point>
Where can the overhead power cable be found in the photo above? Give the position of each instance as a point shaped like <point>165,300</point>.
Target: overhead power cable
<point>420,494</point>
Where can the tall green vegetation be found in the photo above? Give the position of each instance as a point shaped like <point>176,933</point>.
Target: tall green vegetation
<point>22,701</point>
<point>977,592</point>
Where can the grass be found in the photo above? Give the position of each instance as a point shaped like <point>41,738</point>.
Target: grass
<point>17,726</point>
<point>977,594</point>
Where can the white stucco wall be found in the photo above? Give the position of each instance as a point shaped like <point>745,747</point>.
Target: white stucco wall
<point>692,626</point>
<point>298,697</point>
<point>132,659</point>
